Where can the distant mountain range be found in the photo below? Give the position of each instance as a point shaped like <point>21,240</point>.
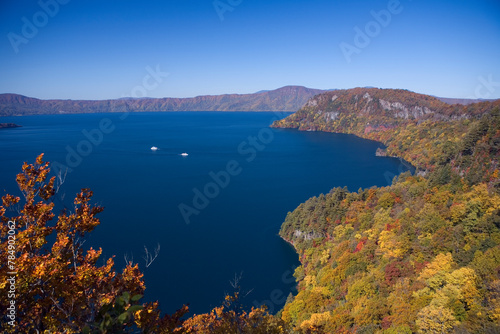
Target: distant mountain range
<point>462,101</point>
<point>288,98</point>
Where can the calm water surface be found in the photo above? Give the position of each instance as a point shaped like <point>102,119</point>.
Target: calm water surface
<point>231,228</point>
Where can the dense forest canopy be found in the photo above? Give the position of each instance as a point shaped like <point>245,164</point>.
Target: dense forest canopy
<point>421,255</point>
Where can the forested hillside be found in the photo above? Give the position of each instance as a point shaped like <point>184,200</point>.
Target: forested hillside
<point>422,255</point>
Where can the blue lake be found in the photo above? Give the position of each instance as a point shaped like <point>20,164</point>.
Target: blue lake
<point>216,213</point>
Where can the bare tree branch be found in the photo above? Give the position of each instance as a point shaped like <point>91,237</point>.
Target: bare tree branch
<point>235,283</point>
<point>150,257</point>
<point>127,259</point>
<point>60,179</point>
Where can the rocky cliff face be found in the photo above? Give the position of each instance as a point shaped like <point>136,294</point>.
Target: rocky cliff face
<point>365,110</point>
<point>403,121</point>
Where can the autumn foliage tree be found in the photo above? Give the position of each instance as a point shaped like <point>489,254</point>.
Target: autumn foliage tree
<point>229,319</point>
<point>59,285</point>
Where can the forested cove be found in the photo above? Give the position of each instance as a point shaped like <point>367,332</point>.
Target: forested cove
<point>260,173</point>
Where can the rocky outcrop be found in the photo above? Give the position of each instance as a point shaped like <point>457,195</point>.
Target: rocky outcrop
<point>304,236</point>
<point>381,152</point>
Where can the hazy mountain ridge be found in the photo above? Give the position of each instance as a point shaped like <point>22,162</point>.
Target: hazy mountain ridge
<point>289,98</point>
<point>450,100</point>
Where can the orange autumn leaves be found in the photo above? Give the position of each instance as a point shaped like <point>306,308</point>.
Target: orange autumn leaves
<point>59,284</point>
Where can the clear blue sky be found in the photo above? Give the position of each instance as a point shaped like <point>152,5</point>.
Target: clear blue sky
<point>98,49</point>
